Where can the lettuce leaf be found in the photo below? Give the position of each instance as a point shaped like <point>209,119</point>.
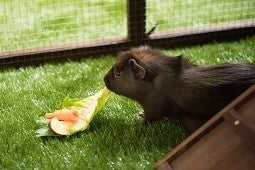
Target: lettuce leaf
<point>88,107</point>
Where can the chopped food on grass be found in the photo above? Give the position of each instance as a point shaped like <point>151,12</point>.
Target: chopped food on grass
<point>64,114</point>
<point>74,115</point>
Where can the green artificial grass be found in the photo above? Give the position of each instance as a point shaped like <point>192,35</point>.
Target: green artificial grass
<point>194,13</point>
<point>116,139</point>
<point>27,24</point>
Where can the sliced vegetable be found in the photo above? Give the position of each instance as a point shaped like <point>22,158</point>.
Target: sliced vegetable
<point>64,114</point>
<point>59,127</point>
<point>74,115</point>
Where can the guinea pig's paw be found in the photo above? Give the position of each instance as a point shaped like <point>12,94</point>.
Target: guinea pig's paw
<point>144,117</point>
<point>141,114</point>
<point>149,119</point>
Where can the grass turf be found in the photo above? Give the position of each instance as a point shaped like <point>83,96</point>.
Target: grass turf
<point>116,138</point>
<point>26,24</point>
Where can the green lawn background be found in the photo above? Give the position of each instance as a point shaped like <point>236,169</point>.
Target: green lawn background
<point>116,139</point>
<point>27,24</point>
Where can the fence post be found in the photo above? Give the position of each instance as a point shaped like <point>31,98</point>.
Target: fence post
<point>136,13</point>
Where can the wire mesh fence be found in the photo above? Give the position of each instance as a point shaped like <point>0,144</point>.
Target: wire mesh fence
<point>172,14</point>
<point>60,28</point>
<point>33,23</point>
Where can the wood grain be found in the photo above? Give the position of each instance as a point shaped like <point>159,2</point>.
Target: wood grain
<point>215,141</point>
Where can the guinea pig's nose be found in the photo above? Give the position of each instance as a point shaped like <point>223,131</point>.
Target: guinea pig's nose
<point>108,76</point>
<point>106,79</point>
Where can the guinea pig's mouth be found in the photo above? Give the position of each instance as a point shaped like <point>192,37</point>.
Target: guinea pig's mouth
<point>108,82</point>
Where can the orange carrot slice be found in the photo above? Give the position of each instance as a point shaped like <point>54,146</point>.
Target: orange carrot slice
<point>64,115</point>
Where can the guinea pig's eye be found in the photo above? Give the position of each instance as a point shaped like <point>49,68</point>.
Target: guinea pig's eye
<point>117,72</point>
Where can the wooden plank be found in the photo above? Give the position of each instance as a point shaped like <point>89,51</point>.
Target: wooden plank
<point>110,41</point>
<point>64,47</point>
<point>203,35</point>
<point>221,149</point>
<point>174,38</point>
<point>202,131</point>
<point>59,53</point>
<point>164,166</point>
<point>178,32</point>
<point>136,12</point>
<point>244,124</point>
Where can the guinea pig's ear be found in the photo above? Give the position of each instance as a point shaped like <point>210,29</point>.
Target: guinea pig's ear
<point>137,69</point>
<point>179,58</point>
<point>178,62</point>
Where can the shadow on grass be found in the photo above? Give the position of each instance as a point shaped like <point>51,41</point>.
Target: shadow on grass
<point>111,135</point>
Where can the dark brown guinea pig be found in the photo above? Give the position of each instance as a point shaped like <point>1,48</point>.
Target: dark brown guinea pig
<point>173,86</point>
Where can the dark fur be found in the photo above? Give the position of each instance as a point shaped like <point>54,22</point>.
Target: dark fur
<point>167,86</point>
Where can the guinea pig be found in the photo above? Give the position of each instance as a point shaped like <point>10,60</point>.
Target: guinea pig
<point>173,86</point>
